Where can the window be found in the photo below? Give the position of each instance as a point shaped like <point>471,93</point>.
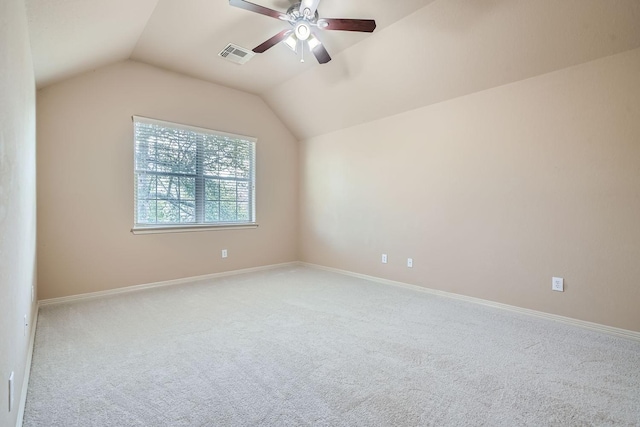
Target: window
<point>192,177</point>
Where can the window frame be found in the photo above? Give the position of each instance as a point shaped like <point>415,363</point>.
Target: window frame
<point>200,177</point>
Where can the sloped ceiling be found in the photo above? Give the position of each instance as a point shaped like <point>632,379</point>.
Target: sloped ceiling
<point>452,48</point>
<point>186,36</point>
<point>72,36</point>
<point>69,37</point>
<point>422,52</point>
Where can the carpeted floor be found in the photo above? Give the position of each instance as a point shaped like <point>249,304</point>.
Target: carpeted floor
<point>299,346</point>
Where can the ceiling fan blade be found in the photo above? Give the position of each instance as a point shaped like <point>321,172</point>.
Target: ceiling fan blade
<point>321,54</point>
<point>312,5</point>
<point>361,25</point>
<point>272,41</point>
<point>258,9</point>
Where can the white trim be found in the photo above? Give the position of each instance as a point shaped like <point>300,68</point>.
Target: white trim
<point>610,330</point>
<point>135,288</point>
<point>633,335</point>
<point>27,369</point>
<point>158,229</point>
<point>165,123</point>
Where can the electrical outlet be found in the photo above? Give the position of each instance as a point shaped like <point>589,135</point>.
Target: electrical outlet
<point>410,262</point>
<point>224,253</point>
<point>557,284</point>
<point>384,258</point>
<point>11,391</point>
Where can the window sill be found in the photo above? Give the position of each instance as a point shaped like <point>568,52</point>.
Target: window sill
<point>159,229</point>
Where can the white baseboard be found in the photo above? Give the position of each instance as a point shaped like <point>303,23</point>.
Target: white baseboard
<point>567,320</point>
<point>633,335</point>
<point>27,369</point>
<point>136,288</point>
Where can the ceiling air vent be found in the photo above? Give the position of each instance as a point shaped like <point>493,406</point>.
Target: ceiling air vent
<point>236,54</point>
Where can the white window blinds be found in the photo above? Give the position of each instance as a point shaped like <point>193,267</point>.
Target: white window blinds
<point>192,176</point>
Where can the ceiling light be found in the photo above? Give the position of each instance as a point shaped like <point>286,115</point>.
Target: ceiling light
<point>291,42</point>
<point>313,42</point>
<point>302,30</point>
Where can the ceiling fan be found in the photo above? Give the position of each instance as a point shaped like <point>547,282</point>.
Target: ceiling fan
<point>303,17</point>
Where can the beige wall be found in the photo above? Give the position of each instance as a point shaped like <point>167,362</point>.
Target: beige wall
<point>493,193</point>
<point>85,181</point>
<point>17,199</point>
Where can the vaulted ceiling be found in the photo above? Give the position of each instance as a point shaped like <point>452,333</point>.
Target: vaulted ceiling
<point>422,52</point>
<point>73,36</point>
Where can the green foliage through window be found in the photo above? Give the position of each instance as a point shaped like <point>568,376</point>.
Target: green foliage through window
<point>187,176</point>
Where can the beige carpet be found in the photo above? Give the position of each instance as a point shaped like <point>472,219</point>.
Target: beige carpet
<point>298,346</point>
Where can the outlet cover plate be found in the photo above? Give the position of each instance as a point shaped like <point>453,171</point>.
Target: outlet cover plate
<point>410,262</point>
<point>224,253</point>
<point>384,258</point>
<point>557,284</point>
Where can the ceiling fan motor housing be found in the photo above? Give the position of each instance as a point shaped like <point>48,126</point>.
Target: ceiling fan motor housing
<point>294,12</point>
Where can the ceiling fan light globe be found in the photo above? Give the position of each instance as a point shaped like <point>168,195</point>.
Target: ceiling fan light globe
<point>313,42</point>
<point>291,42</point>
<point>302,31</point>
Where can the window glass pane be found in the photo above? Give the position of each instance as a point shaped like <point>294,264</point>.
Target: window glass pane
<point>145,149</point>
<point>212,189</point>
<point>210,150</point>
<point>187,188</point>
<point>227,211</point>
<point>176,151</point>
<point>243,191</point>
<point>212,211</point>
<point>146,186</point>
<point>168,211</point>
<point>168,187</point>
<point>226,159</point>
<point>146,211</point>
<point>227,190</point>
<point>243,160</point>
<point>243,211</point>
<point>187,211</point>
<point>164,156</point>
